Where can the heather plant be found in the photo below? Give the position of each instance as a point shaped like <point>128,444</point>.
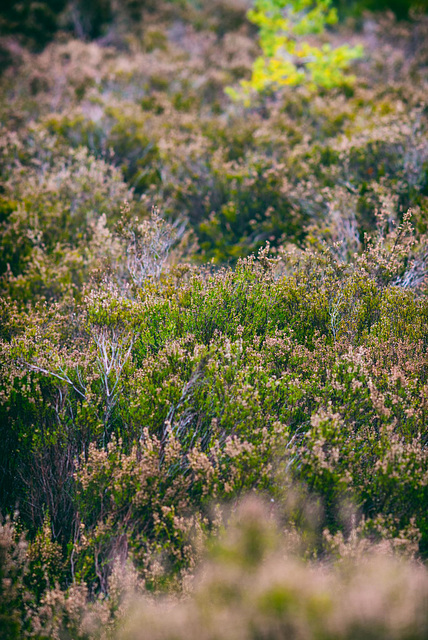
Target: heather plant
<point>256,357</point>
<point>222,383</point>
<point>51,219</point>
<point>251,579</point>
<point>148,247</point>
<point>255,587</point>
<point>293,151</point>
<point>13,566</point>
<point>201,300</point>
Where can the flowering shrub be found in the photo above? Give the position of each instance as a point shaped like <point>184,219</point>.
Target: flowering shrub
<point>311,369</point>
<point>277,171</point>
<point>199,301</point>
<point>252,581</point>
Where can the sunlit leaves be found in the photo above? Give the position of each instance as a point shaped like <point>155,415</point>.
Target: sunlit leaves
<point>289,57</point>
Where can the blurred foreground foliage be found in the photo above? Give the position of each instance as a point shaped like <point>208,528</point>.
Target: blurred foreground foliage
<point>252,583</point>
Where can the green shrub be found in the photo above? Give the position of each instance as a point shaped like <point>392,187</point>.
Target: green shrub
<point>402,8</point>
<point>141,387</point>
<point>13,568</point>
<point>286,58</point>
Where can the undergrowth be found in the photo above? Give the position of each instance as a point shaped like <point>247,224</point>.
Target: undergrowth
<point>202,301</point>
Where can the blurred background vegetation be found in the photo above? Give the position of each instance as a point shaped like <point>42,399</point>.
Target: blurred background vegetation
<point>37,22</point>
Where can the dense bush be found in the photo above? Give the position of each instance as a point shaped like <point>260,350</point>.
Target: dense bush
<point>401,8</point>
<point>311,370</point>
<point>253,583</point>
<point>263,330</point>
<point>37,22</point>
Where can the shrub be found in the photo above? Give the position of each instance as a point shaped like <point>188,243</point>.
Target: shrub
<point>288,60</point>
<point>251,586</point>
<point>13,568</point>
<point>142,387</point>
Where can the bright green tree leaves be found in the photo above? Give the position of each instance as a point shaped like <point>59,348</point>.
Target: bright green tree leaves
<point>289,58</point>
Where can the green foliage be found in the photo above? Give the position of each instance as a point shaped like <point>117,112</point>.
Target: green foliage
<point>294,166</point>
<point>287,58</point>
<point>13,568</point>
<point>45,561</point>
<point>234,370</point>
<point>263,330</point>
<point>401,8</point>
<point>37,22</point>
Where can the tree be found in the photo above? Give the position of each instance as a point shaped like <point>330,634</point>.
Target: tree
<point>288,57</point>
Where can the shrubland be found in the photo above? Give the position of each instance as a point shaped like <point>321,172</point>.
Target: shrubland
<point>213,331</point>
